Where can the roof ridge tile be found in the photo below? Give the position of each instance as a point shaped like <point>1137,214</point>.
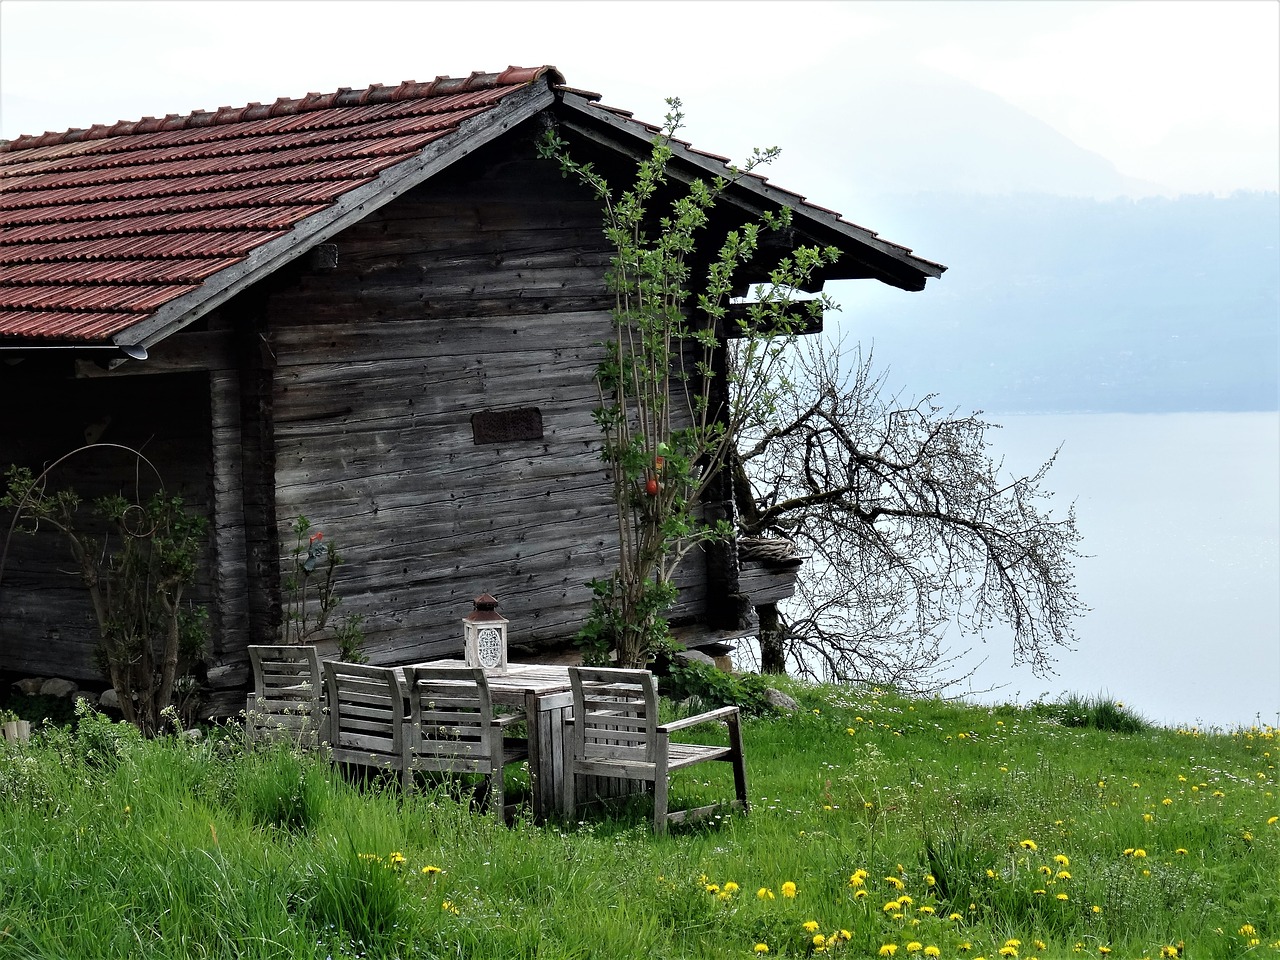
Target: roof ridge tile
<point>286,106</point>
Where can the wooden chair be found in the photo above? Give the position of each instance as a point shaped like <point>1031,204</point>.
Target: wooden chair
<point>616,734</point>
<point>288,695</point>
<point>366,715</point>
<point>453,729</point>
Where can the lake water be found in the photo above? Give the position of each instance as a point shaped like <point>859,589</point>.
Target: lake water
<point>1180,516</point>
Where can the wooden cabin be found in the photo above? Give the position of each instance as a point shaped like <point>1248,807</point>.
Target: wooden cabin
<point>376,308</point>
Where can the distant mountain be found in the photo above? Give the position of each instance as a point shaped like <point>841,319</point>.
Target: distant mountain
<point>1066,304</point>
<point>929,132</point>
<point>889,131</point>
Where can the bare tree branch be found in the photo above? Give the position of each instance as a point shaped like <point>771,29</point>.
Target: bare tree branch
<point>908,526</point>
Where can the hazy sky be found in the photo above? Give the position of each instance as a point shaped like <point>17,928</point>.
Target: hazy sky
<point>1184,94</point>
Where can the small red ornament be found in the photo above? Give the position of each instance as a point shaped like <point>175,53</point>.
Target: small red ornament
<point>651,486</point>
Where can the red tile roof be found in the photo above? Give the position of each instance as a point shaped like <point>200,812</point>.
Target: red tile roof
<point>101,228</point>
<point>126,233</point>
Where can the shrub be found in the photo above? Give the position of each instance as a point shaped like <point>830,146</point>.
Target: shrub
<point>1099,712</point>
<point>715,688</point>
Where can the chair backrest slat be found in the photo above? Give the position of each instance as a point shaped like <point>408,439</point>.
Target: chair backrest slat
<point>366,711</point>
<point>615,713</point>
<point>287,693</point>
<point>451,720</point>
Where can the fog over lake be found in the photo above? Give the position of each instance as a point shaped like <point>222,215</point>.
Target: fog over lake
<point>1181,526</point>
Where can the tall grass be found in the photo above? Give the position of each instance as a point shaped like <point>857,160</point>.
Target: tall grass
<point>882,826</point>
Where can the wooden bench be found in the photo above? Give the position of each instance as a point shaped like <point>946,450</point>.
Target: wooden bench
<point>616,733</point>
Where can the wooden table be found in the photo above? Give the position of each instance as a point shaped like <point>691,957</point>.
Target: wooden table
<point>542,691</point>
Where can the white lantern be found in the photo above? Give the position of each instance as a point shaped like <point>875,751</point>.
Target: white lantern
<point>485,632</point>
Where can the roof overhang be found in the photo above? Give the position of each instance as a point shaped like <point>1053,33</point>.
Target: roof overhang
<point>863,253</point>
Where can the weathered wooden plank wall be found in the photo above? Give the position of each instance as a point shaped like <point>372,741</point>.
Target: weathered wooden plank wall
<point>481,290</point>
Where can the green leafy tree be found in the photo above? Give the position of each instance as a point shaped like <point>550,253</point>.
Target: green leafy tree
<point>136,575</point>
<point>669,415</point>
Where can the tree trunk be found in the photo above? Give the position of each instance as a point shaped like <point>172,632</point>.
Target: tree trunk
<point>773,653</point>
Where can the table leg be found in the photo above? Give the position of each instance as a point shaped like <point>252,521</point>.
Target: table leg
<point>546,719</point>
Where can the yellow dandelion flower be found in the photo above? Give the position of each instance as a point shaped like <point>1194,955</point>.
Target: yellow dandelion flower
<point>926,909</point>
<point>449,907</point>
<point>810,925</point>
<point>731,888</point>
<point>1247,930</point>
<point>932,951</point>
<point>1013,943</point>
<point>1064,898</point>
<point>789,890</point>
<point>846,935</point>
<point>1167,802</point>
<point>956,916</point>
<point>1181,851</point>
<point>712,887</point>
<point>1139,852</point>
<point>905,901</point>
<point>1029,845</point>
<point>1008,951</point>
<point>431,870</point>
<point>1271,821</point>
<point>1096,909</point>
<point>888,949</point>
<point>859,894</point>
<point>1104,950</point>
<point>724,896</point>
<point>819,940</point>
<point>1062,875</point>
<point>890,907</point>
<point>991,874</point>
<point>915,946</point>
<point>895,883</point>
<point>764,893</point>
<point>1047,871</point>
<point>762,948</point>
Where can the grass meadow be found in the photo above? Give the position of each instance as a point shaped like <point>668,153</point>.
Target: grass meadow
<point>882,826</point>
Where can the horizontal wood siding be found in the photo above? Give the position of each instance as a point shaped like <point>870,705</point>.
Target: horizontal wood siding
<point>469,294</point>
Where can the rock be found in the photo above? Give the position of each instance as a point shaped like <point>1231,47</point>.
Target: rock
<point>110,700</point>
<point>57,687</point>
<point>696,656</point>
<point>31,685</point>
<point>780,701</point>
